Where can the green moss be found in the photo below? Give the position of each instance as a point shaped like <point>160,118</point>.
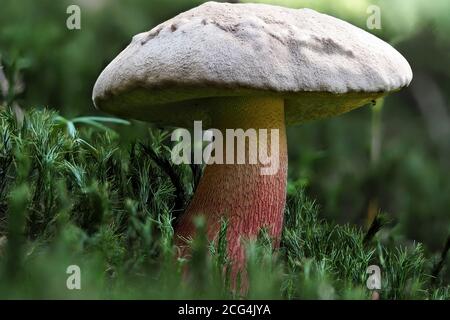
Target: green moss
<point>70,193</point>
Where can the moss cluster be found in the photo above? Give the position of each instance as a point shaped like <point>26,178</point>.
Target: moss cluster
<point>72,194</point>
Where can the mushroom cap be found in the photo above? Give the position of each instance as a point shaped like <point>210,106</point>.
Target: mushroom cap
<point>322,66</point>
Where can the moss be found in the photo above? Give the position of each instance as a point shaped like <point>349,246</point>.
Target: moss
<point>79,197</point>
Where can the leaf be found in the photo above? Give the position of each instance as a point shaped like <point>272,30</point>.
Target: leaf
<point>91,120</point>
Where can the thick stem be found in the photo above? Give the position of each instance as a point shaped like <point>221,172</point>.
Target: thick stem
<point>248,199</point>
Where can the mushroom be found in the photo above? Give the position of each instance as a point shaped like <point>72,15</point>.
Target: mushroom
<point>247,66</point>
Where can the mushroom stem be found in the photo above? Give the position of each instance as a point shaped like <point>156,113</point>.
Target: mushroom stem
<point>247,199</point>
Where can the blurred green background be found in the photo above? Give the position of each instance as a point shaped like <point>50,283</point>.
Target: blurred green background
<point>394,157</point>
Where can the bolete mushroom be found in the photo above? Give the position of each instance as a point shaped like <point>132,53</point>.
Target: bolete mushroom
<point>247,66</point>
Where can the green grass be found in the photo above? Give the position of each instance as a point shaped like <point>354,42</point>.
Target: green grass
<point>72,193</point>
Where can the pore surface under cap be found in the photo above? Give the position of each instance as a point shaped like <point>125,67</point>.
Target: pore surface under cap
<point>320,65</point>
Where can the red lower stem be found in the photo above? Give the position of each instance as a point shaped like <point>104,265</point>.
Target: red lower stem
<point>243,196</point>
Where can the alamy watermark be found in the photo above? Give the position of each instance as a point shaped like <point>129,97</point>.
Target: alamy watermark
<point>374,279</point>
<point>73,21</point>
<point>73,281</point>
<point>241,147</point>
<point>374,19</point>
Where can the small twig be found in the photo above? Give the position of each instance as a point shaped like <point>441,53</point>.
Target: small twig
<point>4,85</point>
<point>375,226</point>
<point>196,170</point>
<point>440,265</point>
<point>3,242</point>
<point>174,177</point>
